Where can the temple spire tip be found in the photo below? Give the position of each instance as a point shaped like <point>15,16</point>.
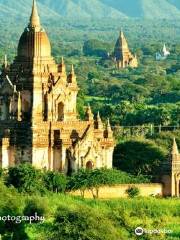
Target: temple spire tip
<point>34,19</point>
<point>175,147</point>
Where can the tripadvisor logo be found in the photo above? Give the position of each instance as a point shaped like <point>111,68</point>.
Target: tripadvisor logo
<point>139,231</point>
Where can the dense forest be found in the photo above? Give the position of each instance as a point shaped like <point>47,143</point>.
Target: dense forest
<point>149,94</point>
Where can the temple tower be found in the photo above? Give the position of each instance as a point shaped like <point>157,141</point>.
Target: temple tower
<point>122,55</point>
<point>171,173</point>
<point>38,110</point>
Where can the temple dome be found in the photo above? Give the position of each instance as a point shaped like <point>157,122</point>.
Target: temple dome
<point>34,44</point>
<point>34,41</point>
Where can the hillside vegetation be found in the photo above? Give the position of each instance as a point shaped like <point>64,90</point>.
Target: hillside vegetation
<point>146,9</point>
<point>75,218</point>
<point>95,9</point>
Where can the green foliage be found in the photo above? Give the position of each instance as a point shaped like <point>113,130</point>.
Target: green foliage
<point>35,208</point>
<point>96,48</point>
<point>74,218</point>
<point>83,223</point>
<point>1,172</point>
<point>93,179</point>
<point>10,205</point>
<point>144,155</point>
<point>79,181</point>
<point>133,191</point>
<point>54,181</point>
<point>25,178</point>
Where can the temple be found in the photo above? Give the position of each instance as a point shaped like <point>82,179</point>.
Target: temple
<point>171,173</point>
<point>39,122</point>
<point>122,56</point>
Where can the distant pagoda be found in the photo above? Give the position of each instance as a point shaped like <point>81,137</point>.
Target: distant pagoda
<point>162,55</point>
<point>122,55</point>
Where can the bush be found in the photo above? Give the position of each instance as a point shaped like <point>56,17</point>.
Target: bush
<point>133,192</point>
<point>139,157</point>
<point>94,179</point>
<point>55,181</point>
<point>82,223</point>
<point>33,208</point>
<point>25,178</point>
<point>79,181</point>
<point>10,205</point>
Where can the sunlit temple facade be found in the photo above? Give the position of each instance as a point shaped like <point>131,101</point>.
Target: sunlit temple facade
<point>122,55</point>
<point>39,122</point>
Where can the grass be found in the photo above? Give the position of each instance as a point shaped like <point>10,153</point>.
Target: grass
<point>74,218</point>
<point>122,215</point>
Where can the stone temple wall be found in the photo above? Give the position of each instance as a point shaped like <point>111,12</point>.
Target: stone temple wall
<point>119,191</point>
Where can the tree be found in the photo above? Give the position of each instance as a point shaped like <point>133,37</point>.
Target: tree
<point>25,178</point>
<point>139,157</point>
<point>92,180</point>
<point>55,181</point>
<point>96,47</point>
<point>79,181</point>
<point>133,191</point>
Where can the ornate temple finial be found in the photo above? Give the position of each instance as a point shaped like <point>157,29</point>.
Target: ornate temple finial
<point>121,33</point>
<point>72,76</point>
<point>72,70</point>
<point>34,19</point>
<point>19,114</point>
<point>108,132</point>
<point>89,108</point>
<point>98,122</point>
<point>62,60</point>
<point>174,147</point>
<point>89,116</point>
<point>98,116</point>
<point>108,125</point>
<point>99,119</point>
<point>62,67</point>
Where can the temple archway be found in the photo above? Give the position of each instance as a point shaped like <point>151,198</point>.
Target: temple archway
<point>89,165</point>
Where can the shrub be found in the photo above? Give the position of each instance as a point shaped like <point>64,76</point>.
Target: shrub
<point>10,205</point>
<point>33,208</point>
<point>25,178</point>
<point>83,223</point>
<point>79,181</point>
<point>145,155</point>
<point>133,191</point>
<point>55,181</point>
<point>94,179</point>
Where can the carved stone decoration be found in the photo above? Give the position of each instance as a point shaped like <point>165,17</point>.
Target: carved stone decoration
<point>41,112</point>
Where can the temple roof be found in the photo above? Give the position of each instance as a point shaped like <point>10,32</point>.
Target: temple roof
<point>34,41</point>
<point>121,46</point>
<point>175,147</point>
<point>34,19</point>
